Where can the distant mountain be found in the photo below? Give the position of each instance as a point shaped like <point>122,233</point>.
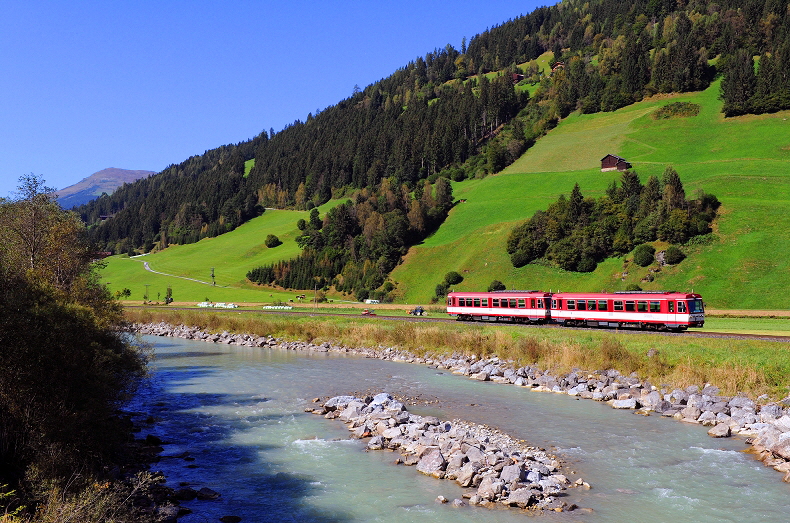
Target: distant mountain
<point>90,188</point>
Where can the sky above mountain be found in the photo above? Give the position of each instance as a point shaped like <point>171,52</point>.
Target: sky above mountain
<point>141,85</point>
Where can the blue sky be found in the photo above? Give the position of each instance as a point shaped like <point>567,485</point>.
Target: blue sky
<point>144,84</point>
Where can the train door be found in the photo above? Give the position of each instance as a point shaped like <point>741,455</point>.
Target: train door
<point>671,312</point>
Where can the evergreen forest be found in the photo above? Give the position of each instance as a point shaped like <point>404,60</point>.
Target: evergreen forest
<point>459,113</point>
<point>576,233</point>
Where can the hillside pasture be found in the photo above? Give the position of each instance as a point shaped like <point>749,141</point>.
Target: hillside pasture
<point>744,161</point>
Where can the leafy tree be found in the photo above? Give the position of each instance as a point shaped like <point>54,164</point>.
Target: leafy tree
<point>496,285</point>
<point>673,255</point>
<point>644,255</point>
<point>66,365</point>
<point>272,241</point>
<point>453,278</point>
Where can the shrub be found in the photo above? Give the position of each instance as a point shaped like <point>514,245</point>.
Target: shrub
<point>453,278</point>
<point>272,241</point>
<point>633,287</point>
<point>673,255</point>
<point>644,255</point>
<point>496,285</point>
<point>441,289</point>
<point>677,110</point>
<point>587,264</point>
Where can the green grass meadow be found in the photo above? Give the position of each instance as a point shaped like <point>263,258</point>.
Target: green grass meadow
<point>744,161</point>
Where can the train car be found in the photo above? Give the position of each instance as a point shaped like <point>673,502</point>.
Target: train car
<point>660,310</point>
<point>500,306</point>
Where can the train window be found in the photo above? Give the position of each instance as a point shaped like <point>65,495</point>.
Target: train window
<point>696,306</point>
<point>540,303</point>
<point>522,303</point>
<point>554,304</point>
<point>512,303</point>
<point>630,306</point>
<point>618,305</point>
<point>571,305</point>
<point>655,306</point>
<point>590,305</point>
<point>602,305</point>
<point>582,305</point>
<point>532,302</point>
<point>559,303</point>
<point>682,307</point>
<point>641,306</point>
<point>671,305</point>
<point>484,302</point>
<point>477,302</point>
<point>496,302</point>
<point>503,302</point>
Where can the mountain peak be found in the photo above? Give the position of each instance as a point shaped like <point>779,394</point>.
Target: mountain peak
<point>106,180</point>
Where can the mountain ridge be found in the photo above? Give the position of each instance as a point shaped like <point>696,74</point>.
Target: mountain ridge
<point>91,187</point>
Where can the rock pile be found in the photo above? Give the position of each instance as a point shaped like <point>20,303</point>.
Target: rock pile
<point>496,468</point>
<point>767,426</point>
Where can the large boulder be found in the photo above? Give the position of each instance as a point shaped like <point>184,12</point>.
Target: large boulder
<point>433,464</point>
<point>521,498</point>
<point>511,473</point>
<point>467,474</point>
<point>629,403</point>
<point>490,487</point>
<point>722,430</point>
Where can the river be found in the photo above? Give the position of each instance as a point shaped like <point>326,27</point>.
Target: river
<point>239,413</point>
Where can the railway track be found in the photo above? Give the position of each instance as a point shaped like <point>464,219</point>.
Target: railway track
<point>435,319</point>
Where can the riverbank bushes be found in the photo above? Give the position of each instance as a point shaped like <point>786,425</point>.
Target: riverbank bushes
<point>66,366</point>
<point>734,365</point>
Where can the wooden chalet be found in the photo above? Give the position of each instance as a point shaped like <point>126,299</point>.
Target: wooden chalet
<point>610,162</point>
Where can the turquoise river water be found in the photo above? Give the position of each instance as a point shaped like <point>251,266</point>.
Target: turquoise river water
<point>239,412</point>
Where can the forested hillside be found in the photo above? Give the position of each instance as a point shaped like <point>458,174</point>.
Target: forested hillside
<point>464,113</point>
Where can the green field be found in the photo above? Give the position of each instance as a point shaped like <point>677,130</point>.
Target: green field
<point>744,161</point>
<point>231,255</point>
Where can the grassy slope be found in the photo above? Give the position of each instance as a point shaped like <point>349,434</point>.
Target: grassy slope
<point>231,254</point>
<point>744,161</point>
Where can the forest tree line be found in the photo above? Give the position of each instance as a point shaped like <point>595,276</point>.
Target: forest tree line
<point>442,116</point>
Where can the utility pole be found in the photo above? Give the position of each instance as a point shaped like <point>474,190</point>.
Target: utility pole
<point>214,283</point>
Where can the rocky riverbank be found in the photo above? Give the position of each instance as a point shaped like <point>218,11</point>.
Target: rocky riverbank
<point>765,426</point>
<point>496,468</point>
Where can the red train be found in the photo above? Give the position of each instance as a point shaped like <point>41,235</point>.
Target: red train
<point>659,310</point>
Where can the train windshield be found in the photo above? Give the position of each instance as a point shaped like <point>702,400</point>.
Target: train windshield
<point>695,306</point>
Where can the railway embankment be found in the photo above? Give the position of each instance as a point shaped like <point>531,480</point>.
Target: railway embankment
<point>764,426</point>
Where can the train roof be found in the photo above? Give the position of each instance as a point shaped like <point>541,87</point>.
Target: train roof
<point>481,294</point>
<point>633,295</point>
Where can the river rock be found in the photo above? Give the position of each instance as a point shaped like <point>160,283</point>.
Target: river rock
<point>468,473</point>
<point>722,430</point>
<point>206,494</point>
<point>690,413</point>
<point>511,473</point>
<point>490,487</point>
<point>433,464</point>
<point>521,498</point>
<point>629,403</point>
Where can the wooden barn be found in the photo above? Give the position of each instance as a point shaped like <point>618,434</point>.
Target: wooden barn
<point>610,162</point>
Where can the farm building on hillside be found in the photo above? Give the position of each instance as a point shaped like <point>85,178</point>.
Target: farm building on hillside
<point>611,162</point>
